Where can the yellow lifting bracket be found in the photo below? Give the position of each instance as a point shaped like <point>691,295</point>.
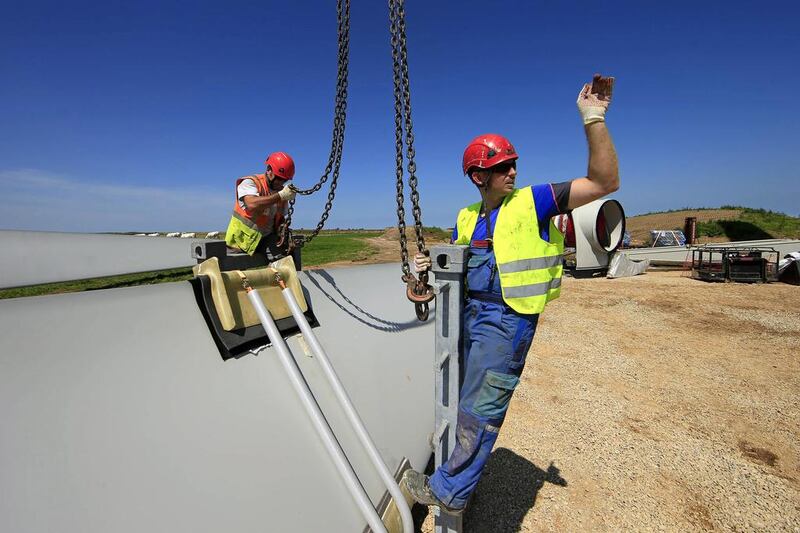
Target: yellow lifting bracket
<point>230,299</point>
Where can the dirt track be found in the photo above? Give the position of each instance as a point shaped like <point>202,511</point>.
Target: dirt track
<point>655,403</point>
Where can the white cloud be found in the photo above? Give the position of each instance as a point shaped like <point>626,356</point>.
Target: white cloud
<point>34,199</point>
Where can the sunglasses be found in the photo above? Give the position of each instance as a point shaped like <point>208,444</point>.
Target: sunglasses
<point>504,168</point>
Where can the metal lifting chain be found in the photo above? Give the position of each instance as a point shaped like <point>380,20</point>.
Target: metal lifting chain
<point>418,291</point>
<point>337,138</point>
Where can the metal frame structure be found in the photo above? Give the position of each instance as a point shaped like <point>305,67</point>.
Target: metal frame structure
<point>735,263</point>
<point>449,264</point>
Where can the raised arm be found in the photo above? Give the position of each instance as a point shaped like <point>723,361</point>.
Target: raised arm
<point>603,174</point>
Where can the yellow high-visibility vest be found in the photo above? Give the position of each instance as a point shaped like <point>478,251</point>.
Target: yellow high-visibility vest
<point>242,234</point>
<point>530,267</point>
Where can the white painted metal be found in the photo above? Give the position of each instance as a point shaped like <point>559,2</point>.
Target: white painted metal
<point>680,255</point>
<point>589,253</point>
<point>315,415</point>
<point>120,415</point>
<point>352,415</point>
<point>33,257</point>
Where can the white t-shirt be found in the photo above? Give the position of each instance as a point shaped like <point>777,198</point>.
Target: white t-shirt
<point>246,188</point>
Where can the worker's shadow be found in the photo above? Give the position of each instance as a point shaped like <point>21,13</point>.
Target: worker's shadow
<point>506,492</point>
<point>318,277</point>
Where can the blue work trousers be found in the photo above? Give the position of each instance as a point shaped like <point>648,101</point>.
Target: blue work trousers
<point>496,340</point>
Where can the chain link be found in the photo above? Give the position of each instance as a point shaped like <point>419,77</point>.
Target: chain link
<point>417,290</point>
<point>337,137</point>
<point>403,124</point>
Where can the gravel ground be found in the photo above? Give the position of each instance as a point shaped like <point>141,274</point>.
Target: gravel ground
<point>655,403</point>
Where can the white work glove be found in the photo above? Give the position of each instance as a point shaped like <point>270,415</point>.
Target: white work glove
<point>287,193</point>
<point>594,99</point>
<point>422,263</point>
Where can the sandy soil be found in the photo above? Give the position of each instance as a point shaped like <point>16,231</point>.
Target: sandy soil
<point>655,403</point>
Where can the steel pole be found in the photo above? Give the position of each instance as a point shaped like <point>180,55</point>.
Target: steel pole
<point>317,418</point>
<point>350,411</point>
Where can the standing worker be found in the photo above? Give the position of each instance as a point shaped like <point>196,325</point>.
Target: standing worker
<point>514,269</point>
<point>260,207</point>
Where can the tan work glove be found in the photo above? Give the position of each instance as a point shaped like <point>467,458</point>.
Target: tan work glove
<point>594,99</point>
<point>422,263</point>
<point>287,193</point>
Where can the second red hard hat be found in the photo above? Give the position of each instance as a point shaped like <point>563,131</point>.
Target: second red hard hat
<point>281,164</point>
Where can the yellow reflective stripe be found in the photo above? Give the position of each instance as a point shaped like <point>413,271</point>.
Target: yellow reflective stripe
<point>244,220</point>
<point>533,289</point>
<point>535,263</point>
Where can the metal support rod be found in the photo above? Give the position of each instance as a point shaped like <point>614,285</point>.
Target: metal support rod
<point>352,415</point>
<point>449,266</point>
<point>320,424</point>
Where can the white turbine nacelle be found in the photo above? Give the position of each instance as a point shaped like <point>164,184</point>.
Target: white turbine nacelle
<point>173,234</point>
<point>187,235</point>
<point>595,230</point>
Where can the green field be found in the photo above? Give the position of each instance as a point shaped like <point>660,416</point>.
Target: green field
<point>328,247</point>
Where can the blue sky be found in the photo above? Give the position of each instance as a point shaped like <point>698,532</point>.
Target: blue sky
<point>120,116</point>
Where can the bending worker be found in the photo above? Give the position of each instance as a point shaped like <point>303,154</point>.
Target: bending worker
<point>260,207</point>
<point>514,269</point>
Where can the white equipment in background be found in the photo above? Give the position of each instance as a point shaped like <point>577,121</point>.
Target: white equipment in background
<point>664,237</point>
<point>595,231</point>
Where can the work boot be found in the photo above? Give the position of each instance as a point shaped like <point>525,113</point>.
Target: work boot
<point>418,486</point>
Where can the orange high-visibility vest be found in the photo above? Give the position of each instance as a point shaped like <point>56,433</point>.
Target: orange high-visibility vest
<point>246,228</point>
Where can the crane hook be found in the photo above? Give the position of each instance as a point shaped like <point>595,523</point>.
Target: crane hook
<point>420,293</point>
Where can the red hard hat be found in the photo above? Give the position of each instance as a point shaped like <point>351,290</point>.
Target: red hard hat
<point>488,150</point>
<point>281,164</point>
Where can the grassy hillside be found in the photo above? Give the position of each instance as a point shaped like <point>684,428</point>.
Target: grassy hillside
<point>727,223</point>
